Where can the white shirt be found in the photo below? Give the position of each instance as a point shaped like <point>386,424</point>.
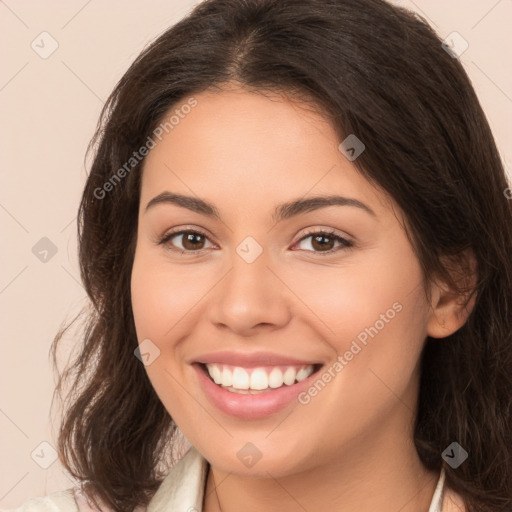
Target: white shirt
<point>182,490</point>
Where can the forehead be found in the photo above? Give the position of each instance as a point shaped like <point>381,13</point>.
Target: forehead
<point>251,147</point>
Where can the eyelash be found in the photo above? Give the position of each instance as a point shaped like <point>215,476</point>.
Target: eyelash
<point>345,244</point>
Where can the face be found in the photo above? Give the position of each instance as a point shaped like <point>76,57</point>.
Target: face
<point>336,285</point>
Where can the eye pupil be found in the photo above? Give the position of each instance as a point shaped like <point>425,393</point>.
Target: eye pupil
<point>317,238</point>
<point>193,239</point>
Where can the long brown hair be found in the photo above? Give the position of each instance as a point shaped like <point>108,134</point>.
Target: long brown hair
<point>374,70</point>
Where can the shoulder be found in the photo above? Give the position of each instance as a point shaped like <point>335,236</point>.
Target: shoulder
<point>60,501</point>
<point>70,500</point>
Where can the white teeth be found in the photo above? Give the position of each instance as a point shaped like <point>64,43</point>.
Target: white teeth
<point>289,376</point>
<point>226,377</point>
<point>275,378</point>
<point>259,379</point>
<point>238,378</point>
<point>302,374</point>
<point>215,374</point>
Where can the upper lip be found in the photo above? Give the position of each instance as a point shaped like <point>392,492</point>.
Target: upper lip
<point>251,360</point>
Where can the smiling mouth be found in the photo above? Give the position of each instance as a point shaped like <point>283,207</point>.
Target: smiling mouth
<point>259,379</point>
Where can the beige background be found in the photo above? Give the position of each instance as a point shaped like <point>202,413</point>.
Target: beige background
<point>50,107</point>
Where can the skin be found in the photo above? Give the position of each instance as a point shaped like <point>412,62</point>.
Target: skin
<point>351,447</point>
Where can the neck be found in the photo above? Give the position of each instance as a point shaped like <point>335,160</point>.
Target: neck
<point>376,473</point>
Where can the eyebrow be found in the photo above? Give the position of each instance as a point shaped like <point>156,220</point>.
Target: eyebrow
<point>281,212</point>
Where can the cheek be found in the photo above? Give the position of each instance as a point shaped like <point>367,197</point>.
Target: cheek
<point>380,285</point>
<point>163,297</point>
<point>371,313</point>
<point>160,301</point>
<point>379,334</point>
<point>376,340</point>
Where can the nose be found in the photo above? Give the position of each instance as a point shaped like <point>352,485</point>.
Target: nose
<point>250,297</point>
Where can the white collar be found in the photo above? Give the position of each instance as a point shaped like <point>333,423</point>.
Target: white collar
<point>183,488</point>
<point>437,500</point>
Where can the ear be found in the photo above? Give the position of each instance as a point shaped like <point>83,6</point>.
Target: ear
<point>450,310</point>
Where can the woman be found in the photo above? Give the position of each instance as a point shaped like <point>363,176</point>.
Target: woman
<point>297,243</point>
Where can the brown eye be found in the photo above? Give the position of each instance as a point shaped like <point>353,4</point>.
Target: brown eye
<point>191,241</point>
<point>324,242</point>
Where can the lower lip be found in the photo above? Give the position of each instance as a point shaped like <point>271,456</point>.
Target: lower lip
<point>247,406</point>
